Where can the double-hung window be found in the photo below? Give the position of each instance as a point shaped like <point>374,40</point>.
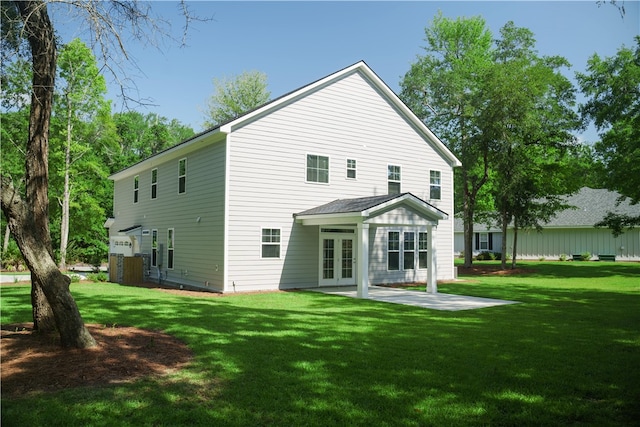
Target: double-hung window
<point>409,253</point>
<point>270,243</point>
<point>170,246</point>
<point>317,168</point>
<point>136,188</point>
<point>393,251</point>
<point>351,168</point>
<point>393,179</point>
<point>423,245</point>
<point>154,183</point>
<point>435,187</point>
<point>484,241</point>
<point>154,248</point>
<point>182,176</point>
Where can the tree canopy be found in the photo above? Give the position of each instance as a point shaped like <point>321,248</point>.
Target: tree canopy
<point>235,96</point>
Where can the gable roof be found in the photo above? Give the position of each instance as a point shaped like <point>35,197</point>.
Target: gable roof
<point>589,206</point>
<point>361,67</point>
<point>364,208</point>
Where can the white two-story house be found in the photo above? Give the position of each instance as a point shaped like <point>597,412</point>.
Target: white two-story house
<point>336,183</point>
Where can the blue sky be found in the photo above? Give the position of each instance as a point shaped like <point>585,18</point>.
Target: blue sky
<point>295,43</point>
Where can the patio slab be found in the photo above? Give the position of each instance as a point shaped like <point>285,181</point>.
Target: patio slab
<point>439,301</point>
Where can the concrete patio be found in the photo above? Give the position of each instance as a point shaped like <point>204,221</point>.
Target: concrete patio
<point>439,301</point>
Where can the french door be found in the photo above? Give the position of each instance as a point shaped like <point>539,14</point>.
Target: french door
<point>337,258</point>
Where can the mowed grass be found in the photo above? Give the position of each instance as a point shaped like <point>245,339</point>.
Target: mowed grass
<point>568,354</point>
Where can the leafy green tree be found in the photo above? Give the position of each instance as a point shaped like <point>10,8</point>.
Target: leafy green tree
<point>27,212</point>
<point>527,116</point>
<point>612,86</point>
<point>235,96</point>
<point>444,87</point>
<point>79,99</point>
<point>140,136</point>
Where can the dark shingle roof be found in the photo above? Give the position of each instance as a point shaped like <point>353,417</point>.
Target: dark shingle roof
<point>350,205</point>
<point>589,207</point>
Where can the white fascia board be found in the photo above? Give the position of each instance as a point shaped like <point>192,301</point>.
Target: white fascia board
<point>178,150</point>
<point>330,219</point>
<point>411,201</point>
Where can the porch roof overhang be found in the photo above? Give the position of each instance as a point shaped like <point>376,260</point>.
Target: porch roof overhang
<point>129,231</point>
<point>390,209</point>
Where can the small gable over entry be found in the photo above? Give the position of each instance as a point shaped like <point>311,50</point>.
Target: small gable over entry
<point>379,211</point>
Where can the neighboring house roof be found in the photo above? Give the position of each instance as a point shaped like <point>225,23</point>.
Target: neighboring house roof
<point>225,128</point>
<point>589,207</point>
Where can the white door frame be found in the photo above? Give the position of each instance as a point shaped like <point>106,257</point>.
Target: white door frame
<point>338,234</point>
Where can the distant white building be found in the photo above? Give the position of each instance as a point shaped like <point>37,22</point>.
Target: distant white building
<point>569,232</point>
<point>336,183</point>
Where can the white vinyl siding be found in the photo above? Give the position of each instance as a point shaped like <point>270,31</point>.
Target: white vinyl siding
<point>197,215</point>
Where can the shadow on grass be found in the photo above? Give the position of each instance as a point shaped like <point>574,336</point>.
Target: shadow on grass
<point>302,358</point>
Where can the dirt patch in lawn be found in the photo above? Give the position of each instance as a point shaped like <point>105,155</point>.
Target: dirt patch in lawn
<point>492,270</point>
<point>35,362</point>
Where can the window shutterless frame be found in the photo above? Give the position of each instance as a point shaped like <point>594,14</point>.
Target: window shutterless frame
<point>317,168</point>
<point>270,242</point>
<point>182,176</point>
<point>394,179</point>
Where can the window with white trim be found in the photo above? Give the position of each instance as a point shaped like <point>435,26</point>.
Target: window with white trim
<point>136,188</point>
<point>182,176</point>
<point>393,177</point>
<point>435,186</point>
<point>484,241</point>
<point>393,251</point>
<point>423,245</point>
<point>154,248</point>
<point>270,243</point>
<point>409,253</point>
<point>317,168</point>
<point>351,168</point>
<point>170,247</point>
<point>154,183</point>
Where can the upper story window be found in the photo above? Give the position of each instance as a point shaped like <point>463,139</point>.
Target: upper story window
<point>270,243</point>
<point>393,176</point>
<point>351,168</point>
<point>317,168</point>
<point>154,183</point>
<point>435,188</point>
<point>182,176</point>
<point>136,188</point>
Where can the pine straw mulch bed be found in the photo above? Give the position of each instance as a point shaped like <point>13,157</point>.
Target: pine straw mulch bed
<point>35,362</point>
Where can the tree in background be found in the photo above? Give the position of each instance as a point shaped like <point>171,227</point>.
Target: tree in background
<point>78,101</point>
<point>27,212</point>
<point>612,86</point>
<point>527,116</point>
<point>444,88</point>
<point>139,136</point>
<point>235,96</point>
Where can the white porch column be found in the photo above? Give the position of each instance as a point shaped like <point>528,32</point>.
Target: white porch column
<point>362,266</point>
<point>432,267</point>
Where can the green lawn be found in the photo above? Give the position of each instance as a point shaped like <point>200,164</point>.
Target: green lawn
<point>569,354</point>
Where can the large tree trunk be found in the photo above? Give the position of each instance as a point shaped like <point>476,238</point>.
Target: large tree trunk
<point>29,218</point>
<point>504,224</point>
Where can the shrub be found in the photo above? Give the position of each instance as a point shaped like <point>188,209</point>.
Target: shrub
<point>488,256</point>
<point>98,277</point>
<point>586,256</point>
<point>563,257</point>
<point>75,278</point>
